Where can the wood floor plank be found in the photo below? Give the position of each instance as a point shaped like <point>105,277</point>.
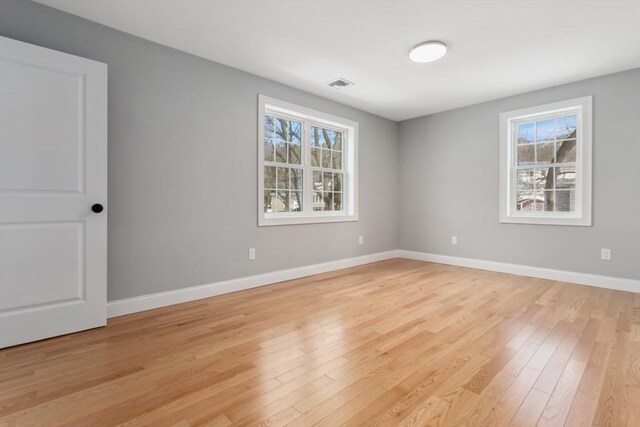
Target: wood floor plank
<point>555,366</point>
<point>585,402</point>
<point>397,342</point>
<point>557,409</point>
<point>424,413</point>
<point>530,410</point>
<point>507,406</point>
<point>488,399</point>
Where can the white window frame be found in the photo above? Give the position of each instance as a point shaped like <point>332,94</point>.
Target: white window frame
<point>309,118</point>
<point>582,107</point>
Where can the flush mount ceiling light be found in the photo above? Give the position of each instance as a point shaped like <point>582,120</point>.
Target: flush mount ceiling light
<point>428,51</point>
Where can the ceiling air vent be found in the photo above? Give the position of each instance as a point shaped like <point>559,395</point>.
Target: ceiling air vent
<point>339,83</point>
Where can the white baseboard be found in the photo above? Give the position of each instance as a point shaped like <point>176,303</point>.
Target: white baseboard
<point>162,299</point>
<point>608,282</point>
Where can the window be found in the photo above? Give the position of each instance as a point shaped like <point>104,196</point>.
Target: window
<point>545,174</point>
<point>307,167</point>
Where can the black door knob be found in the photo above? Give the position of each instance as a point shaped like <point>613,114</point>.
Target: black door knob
<point>97,208</point>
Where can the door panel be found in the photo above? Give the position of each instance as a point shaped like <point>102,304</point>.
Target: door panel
<point>53,167</point>
<point>60,273</point>
<point>46,156</point>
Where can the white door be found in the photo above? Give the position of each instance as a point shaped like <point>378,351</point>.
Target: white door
<point>53,169</point>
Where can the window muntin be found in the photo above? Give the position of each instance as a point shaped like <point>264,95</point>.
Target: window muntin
<point>546,164</point>
<point>307,170</point>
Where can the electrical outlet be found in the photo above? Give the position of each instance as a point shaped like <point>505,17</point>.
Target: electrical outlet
<point>605,254</point>
<point>360,240</point>
<point>252,253</point>
<point>454,240</point>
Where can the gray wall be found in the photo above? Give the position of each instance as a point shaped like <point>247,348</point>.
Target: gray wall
<point>449,181</point>
<point>182,171</point>
<point>182,163</point>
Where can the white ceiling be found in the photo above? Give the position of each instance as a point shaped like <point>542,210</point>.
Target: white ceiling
<point>497,48</point>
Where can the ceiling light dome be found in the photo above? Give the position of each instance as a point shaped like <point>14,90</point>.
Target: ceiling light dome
<point>428,51</point>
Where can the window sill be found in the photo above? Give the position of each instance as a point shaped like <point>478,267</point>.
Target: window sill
<point>525,219</point>
<point>266,221</point>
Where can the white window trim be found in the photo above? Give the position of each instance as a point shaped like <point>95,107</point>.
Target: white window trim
<point>350,165</point>
<point>582,215</point>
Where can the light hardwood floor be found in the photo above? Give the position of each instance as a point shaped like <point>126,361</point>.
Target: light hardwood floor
<point>397,342</point>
